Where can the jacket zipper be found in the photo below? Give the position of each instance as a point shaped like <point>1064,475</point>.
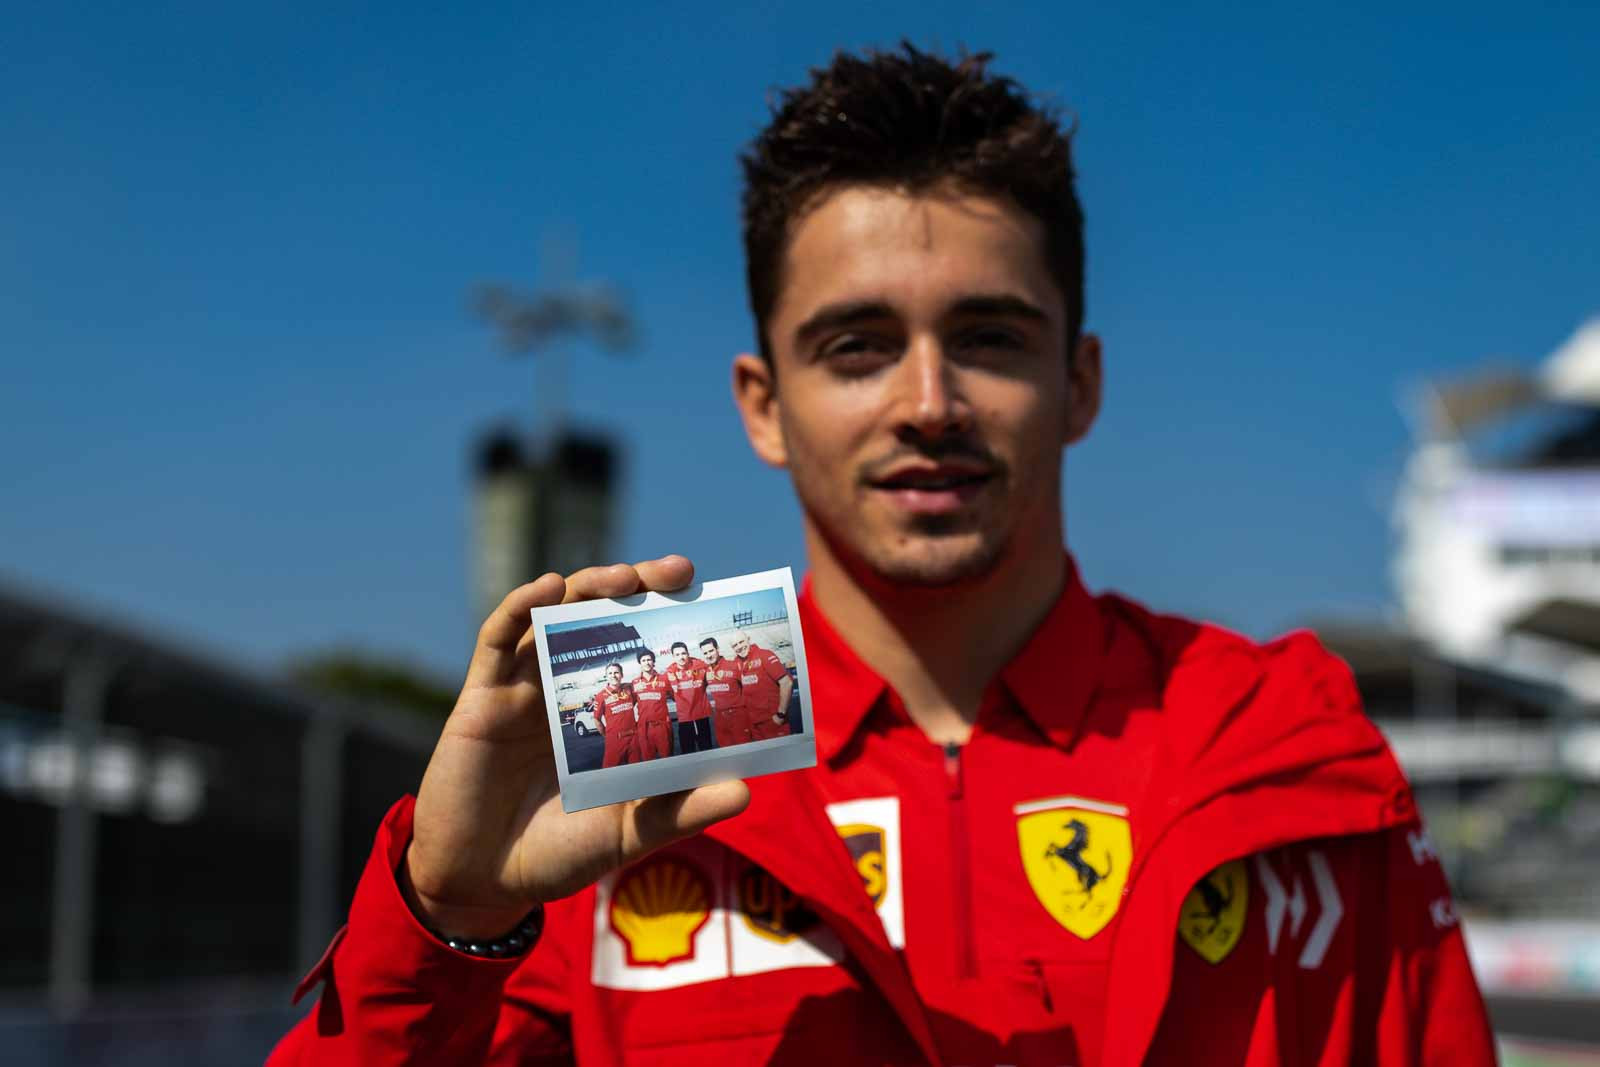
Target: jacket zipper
<point>966,955</point>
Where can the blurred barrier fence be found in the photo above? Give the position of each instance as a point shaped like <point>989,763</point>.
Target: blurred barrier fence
<point>189,833</point>
<point>1536,957</point>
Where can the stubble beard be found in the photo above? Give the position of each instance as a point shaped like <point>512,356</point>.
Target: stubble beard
<point>937,562</point>
<point>936,552</point>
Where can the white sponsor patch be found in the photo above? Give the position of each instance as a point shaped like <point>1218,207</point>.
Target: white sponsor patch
<point>698,912</point>
<point>883,814</point>
<point>666,930</point>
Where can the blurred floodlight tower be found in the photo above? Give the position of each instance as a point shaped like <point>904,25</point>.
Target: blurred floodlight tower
<point>544,501</point>
<point>1499,520</point>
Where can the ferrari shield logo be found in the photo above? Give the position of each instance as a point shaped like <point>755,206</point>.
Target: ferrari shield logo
<point>1213,913</point>
<point>1076,853</point>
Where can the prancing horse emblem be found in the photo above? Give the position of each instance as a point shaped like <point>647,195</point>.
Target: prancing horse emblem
<point>1213,914</point>
<point>1076,852</point>
<point>1071,854</point>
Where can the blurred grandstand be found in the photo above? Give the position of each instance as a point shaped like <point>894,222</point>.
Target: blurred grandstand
<point>189,834</point>
<point>1489,687</point>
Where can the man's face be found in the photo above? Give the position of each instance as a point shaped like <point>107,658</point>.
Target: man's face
<point>681,657</point>
<point>711,653</point>
<point>922,394</point>
<point>741,648</point>
<point>614,675</point>
<point>647,664</point>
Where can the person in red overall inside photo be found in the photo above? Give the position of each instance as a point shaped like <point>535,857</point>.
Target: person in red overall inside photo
<point>616,713</point>
<point>1046,825</point>
<point>767,686</point>
<point>651,690</point>
<point>725,690</point>
<point>687,674</point>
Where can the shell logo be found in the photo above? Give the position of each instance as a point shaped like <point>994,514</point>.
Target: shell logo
<point>657,908</point>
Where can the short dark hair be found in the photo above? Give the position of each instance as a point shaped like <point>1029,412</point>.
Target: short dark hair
<point>712,641</point>
<point>640,657</point>
<point>908,120</point>
<point>677,645</point>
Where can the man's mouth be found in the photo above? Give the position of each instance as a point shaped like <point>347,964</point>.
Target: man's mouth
<point>934,488</point>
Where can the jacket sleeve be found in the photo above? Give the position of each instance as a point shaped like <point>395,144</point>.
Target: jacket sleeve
<point>392,994</point>
<point>1430,1011</point>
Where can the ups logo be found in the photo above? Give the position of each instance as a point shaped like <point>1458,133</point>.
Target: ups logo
<point>865,845</point>
<point>770,909</point>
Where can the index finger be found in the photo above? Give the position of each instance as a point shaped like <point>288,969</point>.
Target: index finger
<point>494,658</point>
<point>665,574</point>
<point>619,579</point>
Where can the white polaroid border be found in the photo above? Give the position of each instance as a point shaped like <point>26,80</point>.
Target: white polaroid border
<point>592,788</point>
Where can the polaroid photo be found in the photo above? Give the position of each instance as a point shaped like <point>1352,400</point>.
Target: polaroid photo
<point>659,692</point>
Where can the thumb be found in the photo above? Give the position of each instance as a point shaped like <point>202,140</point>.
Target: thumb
<point>660,820</point>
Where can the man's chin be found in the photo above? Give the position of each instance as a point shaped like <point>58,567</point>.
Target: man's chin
<point>936,565</point>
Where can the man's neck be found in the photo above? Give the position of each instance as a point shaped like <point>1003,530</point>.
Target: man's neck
<point>939,647</point>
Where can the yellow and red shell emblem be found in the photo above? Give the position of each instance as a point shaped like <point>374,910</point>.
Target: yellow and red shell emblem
<point>658,907</point>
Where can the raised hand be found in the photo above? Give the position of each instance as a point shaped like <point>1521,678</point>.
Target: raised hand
<point>489,838</point>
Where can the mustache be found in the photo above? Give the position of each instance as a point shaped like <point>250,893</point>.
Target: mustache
<point>964,448</point>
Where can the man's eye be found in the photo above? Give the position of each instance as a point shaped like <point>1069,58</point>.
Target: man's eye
<point>856,353</point>
<point>991,338</point>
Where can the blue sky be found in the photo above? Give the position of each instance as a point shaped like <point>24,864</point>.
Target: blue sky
<point>240,381</point>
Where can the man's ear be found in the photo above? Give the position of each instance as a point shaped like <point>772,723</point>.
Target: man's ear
<point>1083,388</point>
<point>755,393</point>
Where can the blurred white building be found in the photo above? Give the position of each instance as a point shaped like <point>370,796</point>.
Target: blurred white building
<point>1498,518</point>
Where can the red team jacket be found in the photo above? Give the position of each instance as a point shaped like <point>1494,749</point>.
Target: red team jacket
<point>689,689</point>
<point>1162,844</point>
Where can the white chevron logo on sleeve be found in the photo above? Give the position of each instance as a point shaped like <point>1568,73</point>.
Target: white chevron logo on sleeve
<point>1276,900</point>
<point>1297,907</point>
<point>1332,912</point>
<point>1283,903</point>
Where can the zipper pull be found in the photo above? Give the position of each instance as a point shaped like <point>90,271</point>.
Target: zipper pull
<point>952,768</point>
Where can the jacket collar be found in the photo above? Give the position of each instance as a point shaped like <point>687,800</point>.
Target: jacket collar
<point>1053,679</point>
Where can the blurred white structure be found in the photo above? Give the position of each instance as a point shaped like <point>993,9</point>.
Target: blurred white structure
<point>1499,559</point>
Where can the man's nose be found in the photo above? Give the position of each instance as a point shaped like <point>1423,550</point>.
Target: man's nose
<point>932,400</point>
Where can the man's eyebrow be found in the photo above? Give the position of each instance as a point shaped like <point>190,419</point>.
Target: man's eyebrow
<point>997,305</point>
<point>847,313</point>
<point>856,312</point>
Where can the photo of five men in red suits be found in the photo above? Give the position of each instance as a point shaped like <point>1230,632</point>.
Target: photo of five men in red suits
<point>720,699</point>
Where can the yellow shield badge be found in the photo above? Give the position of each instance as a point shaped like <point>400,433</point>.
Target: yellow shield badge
<point>1213,913</point>
<point>1076,853</point>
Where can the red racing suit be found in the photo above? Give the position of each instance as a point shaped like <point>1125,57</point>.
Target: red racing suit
<point>726,694</point>
<point>617,713</point>
<point>760,671</point>
<point>654,739</point>
<point>689,690</point>
<point>1162,844</point>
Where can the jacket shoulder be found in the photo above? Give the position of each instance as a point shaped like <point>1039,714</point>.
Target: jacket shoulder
<point>1190,657</point>
<point>1273,725</point>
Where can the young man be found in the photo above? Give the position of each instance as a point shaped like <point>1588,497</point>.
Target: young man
<point>725,691</point>
<point>616,713</point>
<point>651,690</point>
<point>687,676</point>
<point>767,686</point>
<point>1045,827</point>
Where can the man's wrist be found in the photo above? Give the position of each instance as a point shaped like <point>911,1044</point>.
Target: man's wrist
<point>453,921</point>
